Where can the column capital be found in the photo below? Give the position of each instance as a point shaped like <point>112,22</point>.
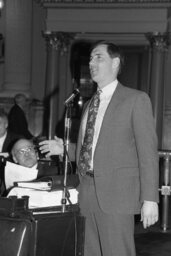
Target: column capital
<point>158,41</point>
<point>58,40</point>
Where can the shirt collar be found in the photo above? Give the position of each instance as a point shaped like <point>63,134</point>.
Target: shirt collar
<point>109,89</point>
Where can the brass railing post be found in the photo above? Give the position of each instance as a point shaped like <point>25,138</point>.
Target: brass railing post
<point>165,189</point>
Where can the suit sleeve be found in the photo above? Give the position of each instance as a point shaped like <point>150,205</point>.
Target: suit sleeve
<point>146,143</point>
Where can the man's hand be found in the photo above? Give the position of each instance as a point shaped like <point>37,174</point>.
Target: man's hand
<point>52,147</point>
<point>149,213</point>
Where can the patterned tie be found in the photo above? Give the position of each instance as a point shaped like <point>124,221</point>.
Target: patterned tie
<point>86,149</point>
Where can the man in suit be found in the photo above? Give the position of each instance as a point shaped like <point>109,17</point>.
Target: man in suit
<point>24,153</point>
<point>121,177</point>
<point>17,118</point>
<point>7,140</point>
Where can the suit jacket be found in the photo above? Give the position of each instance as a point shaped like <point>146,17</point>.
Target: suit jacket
<point>10,139</point>
<point>18,122</point>
<point>126,157</point>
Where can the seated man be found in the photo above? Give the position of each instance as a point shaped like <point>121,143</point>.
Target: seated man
<point>7,139</point>
<point>24,154</point>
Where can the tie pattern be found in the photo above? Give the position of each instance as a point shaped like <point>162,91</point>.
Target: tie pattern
<point>86,149</point>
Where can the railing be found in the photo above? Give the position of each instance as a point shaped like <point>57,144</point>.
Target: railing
<point>165,188</point>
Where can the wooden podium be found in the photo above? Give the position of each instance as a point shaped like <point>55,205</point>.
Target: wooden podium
<point>58,234</point>
<point>44,232</point>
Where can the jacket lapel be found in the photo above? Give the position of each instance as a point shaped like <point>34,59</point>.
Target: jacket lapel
<point>116,99</point>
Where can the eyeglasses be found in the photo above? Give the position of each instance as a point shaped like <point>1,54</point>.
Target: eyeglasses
<point>27,150</point>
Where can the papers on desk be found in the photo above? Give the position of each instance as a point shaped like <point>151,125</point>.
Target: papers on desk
<point>37,191</point>
<point>38,199</point>
<point>16,173</point>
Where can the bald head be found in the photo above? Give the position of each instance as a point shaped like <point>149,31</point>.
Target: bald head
<point>20,99</point>
<point>24,154</point>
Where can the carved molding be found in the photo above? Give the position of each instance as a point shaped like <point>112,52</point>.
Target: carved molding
<point>105,3</point>
<point>158,41</point>
<point>58,40</point>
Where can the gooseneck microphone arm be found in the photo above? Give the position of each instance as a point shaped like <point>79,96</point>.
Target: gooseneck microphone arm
<point>72,96</point>
<point>67,128</point>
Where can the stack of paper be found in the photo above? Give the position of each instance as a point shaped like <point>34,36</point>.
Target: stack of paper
<point>38,199</point>
<point>15,173</point>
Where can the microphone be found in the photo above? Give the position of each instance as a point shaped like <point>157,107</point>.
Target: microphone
<point>72,96</point>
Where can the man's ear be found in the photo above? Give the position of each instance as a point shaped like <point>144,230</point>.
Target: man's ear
<point>14,159</point>
<point>6,124</point>
<point>116,62</point>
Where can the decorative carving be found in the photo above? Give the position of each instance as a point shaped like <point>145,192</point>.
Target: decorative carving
<point>106,3</point>
<point>59,40</point>
<point>158,40</point>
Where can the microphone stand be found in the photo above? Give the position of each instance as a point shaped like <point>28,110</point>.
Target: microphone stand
<point>67,129</point>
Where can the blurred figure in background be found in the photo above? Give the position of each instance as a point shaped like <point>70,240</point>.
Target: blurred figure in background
<point>7,140</point>
<point>17,118</point>
<point>7,137</point>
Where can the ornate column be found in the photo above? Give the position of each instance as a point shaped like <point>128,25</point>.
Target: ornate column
<point>57,47</point>
<point>159,44</point>
<point>18,38</point>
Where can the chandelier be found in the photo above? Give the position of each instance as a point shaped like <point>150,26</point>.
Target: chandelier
<point>1,4</point>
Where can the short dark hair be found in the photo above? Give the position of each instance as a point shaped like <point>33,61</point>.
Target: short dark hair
<point>112,49</point>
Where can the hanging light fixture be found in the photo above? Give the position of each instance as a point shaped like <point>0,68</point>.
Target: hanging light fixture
<point>1,4</point>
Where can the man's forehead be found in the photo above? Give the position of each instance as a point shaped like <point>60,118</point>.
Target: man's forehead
<point>99,49</point>
<point>23,144</point>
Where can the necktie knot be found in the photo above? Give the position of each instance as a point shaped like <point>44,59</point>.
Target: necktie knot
<point>97,94</point>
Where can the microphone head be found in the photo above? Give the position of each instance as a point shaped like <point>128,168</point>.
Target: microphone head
<point>76,91</point>
<point>72,96</point>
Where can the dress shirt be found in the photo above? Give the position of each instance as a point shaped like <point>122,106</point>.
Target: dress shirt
<point>105,98</point>
<point>2,139</point>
